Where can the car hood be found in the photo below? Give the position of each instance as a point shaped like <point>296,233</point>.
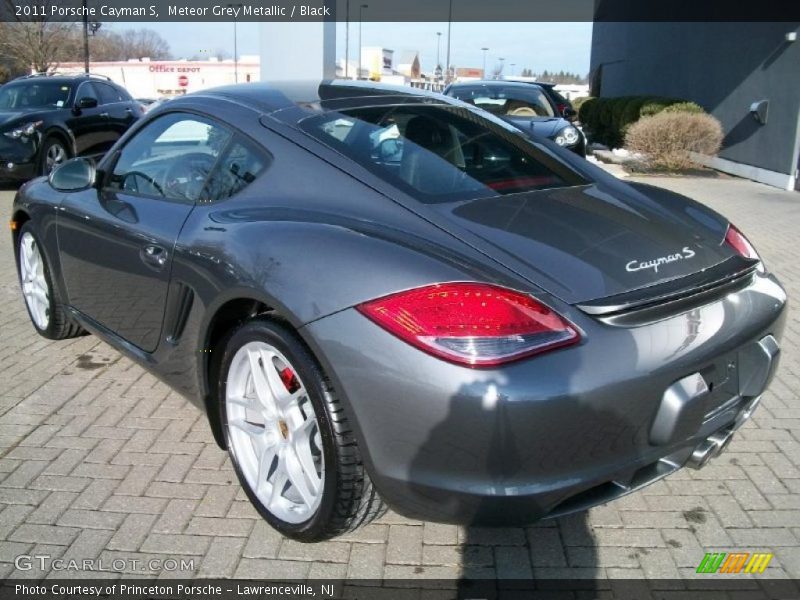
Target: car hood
<point>15,116</point>
<point>544,126</point>
<point>589,242</point>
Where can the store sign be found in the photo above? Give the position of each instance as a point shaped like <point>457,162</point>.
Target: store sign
<point>156,68</point>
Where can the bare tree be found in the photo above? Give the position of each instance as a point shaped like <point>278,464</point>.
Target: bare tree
<point>141,43</point>
<point>38,44</point>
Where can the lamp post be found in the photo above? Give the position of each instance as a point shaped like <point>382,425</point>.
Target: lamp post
<point>235,46</point>
<point>502,64</point>
<point>85,38</point>
<point>512,65</point>
<point>449,75</point>
<point>360,22</point>
<point>88,27</point>
<point>438,47</point>
<point>347,42</point>
<point>485,50</point>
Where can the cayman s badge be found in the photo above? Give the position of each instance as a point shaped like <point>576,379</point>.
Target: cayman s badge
<point>636,265</point>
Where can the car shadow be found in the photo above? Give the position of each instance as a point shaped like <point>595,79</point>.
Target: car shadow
<point>9,186</point>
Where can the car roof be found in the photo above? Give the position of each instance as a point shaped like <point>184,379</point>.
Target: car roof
<point>544,84</point>
<point>62,78</point>
<point>494,83</point>
<point>277,96</point>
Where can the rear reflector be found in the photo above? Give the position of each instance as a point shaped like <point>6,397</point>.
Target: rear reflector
<point>474,324</point>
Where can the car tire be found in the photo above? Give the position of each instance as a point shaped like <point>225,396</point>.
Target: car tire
<point>55,150</point>
<point>42,298</point>
<point>345,497</point>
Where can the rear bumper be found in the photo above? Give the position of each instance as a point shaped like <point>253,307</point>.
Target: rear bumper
<point>556,433</point>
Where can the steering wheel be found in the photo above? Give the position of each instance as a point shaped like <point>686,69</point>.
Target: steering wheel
<point>523,111</point>
<point>133,175</point>
<point>187,174</point>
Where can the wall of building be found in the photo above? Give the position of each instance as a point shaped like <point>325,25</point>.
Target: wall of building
<point>724,67</point>
<point>297,51</point>
<point>154,79</point>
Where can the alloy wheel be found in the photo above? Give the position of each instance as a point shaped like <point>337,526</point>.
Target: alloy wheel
<point>273,432</point>
<point>55,156</point>
<point>34,284</point>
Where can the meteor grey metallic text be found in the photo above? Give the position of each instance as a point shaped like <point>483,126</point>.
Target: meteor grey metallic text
<point>388,297</point>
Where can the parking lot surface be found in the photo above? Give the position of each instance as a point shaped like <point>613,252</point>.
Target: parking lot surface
<point>99,460</point>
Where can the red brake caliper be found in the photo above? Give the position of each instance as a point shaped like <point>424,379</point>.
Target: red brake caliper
<point>289,379</point>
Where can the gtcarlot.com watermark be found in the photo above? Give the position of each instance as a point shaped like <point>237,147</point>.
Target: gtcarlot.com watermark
<point>45,562</point>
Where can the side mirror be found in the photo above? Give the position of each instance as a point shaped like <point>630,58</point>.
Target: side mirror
<point>86,102</point>
<point>73,175</point>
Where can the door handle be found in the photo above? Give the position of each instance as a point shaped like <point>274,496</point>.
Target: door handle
<point>103,114</point>
<point>154,256</point>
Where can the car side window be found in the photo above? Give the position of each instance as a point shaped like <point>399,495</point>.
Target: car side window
<point>239,166</point>
<point>108,94</point>
<point>86,90</point>
<point>170,158</point>
<point>123,94</point>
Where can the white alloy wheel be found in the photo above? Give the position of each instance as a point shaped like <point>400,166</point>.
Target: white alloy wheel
<point>273,432</point>
<point>54,156</point>
<point>34,284</point>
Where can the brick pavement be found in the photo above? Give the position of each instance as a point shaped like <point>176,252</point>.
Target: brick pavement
<point>99,459</point>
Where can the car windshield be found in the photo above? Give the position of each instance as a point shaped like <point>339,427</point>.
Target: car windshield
<point>34,94</point>
<point>440,153</point>
<point>506,100</point>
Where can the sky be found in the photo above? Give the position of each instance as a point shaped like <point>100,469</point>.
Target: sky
<point>538,46</point>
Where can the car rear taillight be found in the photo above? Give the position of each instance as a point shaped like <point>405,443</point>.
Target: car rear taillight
<point>736,240</point>
<point>473,324</point>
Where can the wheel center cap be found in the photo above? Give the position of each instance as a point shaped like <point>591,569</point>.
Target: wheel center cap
<point>284,428</point>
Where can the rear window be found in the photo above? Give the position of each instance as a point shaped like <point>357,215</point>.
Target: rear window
<point>440,153</point>
<point>108,94</point>
<point>516,101</point>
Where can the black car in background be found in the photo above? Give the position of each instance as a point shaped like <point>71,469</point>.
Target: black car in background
<point>525,106</point>
<point>46,119</point>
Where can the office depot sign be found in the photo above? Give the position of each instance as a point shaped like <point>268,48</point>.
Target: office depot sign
<point>179,68</point>
<point>154,79</point>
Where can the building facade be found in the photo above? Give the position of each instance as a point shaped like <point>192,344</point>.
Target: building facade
<point>154,79</point>
<point>745,74</point>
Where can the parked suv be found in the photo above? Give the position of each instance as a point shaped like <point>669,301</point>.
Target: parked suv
<point>46,119</point>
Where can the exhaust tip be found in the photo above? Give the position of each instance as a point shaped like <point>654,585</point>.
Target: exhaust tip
<point>702,454</point>
<point>721,439</point>
<point>712,446</point>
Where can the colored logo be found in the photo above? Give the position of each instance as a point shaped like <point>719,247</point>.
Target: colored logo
<point>734,562</point>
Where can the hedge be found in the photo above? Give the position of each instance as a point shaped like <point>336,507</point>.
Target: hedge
<point>606,120</point>
<point>668,139</point>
